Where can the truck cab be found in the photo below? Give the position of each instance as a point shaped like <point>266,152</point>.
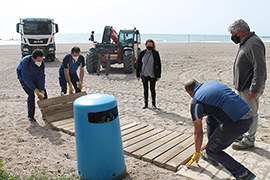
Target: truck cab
<point>38,33</point>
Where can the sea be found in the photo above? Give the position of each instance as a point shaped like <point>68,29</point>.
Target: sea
<point>64,38</point>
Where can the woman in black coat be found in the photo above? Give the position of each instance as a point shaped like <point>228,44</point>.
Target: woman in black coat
<point>149,70</point>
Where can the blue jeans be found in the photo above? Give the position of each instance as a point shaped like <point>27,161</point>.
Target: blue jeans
<point>31,97</point>
<point>63,83</point>
<point>222,136</point>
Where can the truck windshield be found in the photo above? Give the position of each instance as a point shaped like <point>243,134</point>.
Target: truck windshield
<point>37,28</point>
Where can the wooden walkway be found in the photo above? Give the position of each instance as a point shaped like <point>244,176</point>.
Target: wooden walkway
<point>164,148</point>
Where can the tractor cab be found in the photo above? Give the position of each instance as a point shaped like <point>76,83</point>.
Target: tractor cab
<point>128,38</point>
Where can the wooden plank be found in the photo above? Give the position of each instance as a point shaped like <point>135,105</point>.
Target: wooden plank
<point>65,126</point>
<point>141,137</point>
<point>139,153</point>
<point>136,133</point>
<point>132,129</point>
<point>145,142</point>
<point>59,100</point>
<point>155,153</point>
<point>57,109</point>
<point>128,126</point>
<point>61,122</point>
<point>59,116</point>
<point>184,156</point>
<point>162,159</point>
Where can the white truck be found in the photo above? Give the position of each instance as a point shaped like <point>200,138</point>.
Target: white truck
<point>38,33</point>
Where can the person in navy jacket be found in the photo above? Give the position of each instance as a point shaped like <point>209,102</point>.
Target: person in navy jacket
<point>31,75</point>
<point>68,71</point>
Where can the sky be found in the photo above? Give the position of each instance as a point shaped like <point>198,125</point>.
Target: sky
<point>206,17</point>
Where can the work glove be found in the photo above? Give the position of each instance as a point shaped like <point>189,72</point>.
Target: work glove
<point>80,85</point>
<point>70,88</point>
<point>40,94</point>
<point>195,157</point>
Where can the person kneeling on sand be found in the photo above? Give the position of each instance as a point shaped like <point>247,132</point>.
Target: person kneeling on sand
<point>31,75</point>
<point>229,116</point>
<point>68,71</point>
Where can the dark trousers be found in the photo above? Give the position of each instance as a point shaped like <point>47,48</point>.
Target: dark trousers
<point>31,97</point>
<point>63,83</point>
<point>152,88</point>
<point>222,136</point>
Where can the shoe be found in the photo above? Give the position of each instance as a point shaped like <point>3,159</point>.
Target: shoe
<point>32,119</point>
<point>145,105</point>
<point>241,145</point>
<point>154,105</point>
<point>208,159</point>
<point>246,176</point>
<point>239,139</point>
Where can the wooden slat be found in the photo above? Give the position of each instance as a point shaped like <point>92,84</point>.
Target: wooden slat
<point>66,126</point>
<point>136,133</point>
<point>141,137</point>
<point>59,116</point>
<point>61,122</point>
<point>184,156</point>
<point>162,159</point>
<point>145,142</point>
<point>128,126</point>
<point>139,153</point>
<point>59,100</point>
<point>132,129</point>
<point>155,153</point>
<point>57,109</point>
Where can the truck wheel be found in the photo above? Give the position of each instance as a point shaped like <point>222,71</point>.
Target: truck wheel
<point>91,61</point>
<point>52,57</point>
<point>128,61</point>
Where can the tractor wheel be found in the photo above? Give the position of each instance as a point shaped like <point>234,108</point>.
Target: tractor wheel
<point>91,61</point>
<point>128,61</point>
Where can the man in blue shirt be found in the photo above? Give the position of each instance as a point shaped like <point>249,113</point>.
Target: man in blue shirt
<point>31,75</point>
<point>68,71</point>
<point>229,116</point>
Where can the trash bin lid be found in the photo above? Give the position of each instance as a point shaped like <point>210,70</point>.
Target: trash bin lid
<point>95,102</point>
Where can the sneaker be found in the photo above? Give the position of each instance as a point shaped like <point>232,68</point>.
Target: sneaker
<point>208,159</point>
<point>246,176</point>
<point>241,145</point>
<point>32,119</point>
<point>154,107</point>
<point>239,139</point>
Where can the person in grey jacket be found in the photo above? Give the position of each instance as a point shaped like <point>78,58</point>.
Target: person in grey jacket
<point>149,69</point>
<point>249,74</point>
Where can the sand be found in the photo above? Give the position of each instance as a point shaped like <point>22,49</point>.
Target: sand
<point>26,146</point>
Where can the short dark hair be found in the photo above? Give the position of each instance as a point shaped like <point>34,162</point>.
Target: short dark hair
<point>191,84</point>
<point>75,49</point>
<point>37,53</point>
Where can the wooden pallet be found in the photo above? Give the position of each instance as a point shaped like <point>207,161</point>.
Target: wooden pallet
<point>164,148</point>
<point>58,111</point>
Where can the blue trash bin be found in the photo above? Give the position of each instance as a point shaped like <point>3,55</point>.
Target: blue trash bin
<point>98,138</point>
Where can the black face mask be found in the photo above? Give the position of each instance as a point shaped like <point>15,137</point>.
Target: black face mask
<point>150,48</point>
<point>235,39</point>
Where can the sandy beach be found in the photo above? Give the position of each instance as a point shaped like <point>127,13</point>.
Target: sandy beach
<point>26,146</point>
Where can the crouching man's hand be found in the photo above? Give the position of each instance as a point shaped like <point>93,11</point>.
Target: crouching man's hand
<point>195,157</point>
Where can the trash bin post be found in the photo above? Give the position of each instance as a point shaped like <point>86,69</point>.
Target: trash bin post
<point>98,138</point>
